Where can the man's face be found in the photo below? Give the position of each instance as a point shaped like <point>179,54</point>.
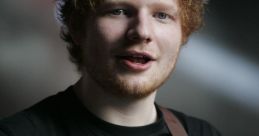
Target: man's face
<point>131,46</point>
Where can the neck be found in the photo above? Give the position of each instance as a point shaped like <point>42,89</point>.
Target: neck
<point>115,109</point>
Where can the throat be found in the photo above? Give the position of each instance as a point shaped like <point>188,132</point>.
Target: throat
<point>116,110</point>
<point>131,118</point>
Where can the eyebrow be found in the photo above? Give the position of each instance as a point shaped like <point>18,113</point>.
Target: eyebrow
<point>113,3</point>
<point>156,3</point>
<point>165,7</point>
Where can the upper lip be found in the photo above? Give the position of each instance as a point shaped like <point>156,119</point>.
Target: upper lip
<point>136,54</point>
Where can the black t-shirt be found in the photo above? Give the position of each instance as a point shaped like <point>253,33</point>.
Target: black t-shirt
<point>64,115</point>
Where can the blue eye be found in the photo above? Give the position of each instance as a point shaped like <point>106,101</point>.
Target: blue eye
<point>161,15</point>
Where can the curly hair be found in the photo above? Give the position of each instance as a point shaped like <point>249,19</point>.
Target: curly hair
<point>71,13</point>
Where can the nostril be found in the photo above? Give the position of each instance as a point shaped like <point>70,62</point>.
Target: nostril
<point>148,39</point>
<point>135,35</point>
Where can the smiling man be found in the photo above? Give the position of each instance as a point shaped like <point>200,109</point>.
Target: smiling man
<point>125,50</point>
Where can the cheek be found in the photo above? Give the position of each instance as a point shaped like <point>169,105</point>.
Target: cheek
<point>169,45</point>
<point>169,41</point>
<point>111,30</point>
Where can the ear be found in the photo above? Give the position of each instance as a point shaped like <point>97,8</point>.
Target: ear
<point>77,34</point>
<point>76,28</point>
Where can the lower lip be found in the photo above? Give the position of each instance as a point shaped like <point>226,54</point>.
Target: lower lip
<point>136,67</point>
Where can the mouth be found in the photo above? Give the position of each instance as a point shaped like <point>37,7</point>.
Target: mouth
<point>136,61</point>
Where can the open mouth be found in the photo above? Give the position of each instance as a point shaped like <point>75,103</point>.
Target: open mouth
<point>141,58</point>
<point>135,61</point>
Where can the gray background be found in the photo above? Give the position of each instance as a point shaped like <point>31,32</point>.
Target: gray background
<point>216,78</point>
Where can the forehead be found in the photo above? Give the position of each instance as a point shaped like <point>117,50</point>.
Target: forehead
<point>147,3</point>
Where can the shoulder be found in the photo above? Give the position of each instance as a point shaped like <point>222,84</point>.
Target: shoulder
<point>195,126</point>
<point>18,124</point>
<point>34,120</point>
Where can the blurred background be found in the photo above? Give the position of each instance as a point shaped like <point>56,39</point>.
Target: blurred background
<point>216,78</point>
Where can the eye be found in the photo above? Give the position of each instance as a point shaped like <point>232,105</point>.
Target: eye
<point>161,15</point>
<point>117,12</point>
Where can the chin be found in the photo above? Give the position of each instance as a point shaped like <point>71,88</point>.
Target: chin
<point>128,91</point>
<point>130,88</point>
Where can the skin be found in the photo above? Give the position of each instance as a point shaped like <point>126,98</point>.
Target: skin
<point>112,89</point>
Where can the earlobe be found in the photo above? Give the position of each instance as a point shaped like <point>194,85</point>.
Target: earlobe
<point>76,37</point>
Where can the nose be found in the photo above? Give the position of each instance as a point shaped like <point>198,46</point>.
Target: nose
<point>140,29</point>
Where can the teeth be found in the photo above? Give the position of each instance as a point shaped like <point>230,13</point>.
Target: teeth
<point>142,61</point>
<point>137,58</point>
